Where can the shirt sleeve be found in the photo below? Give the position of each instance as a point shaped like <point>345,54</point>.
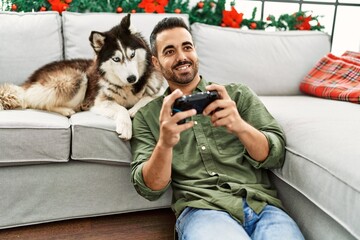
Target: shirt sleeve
<point>142,145</point>
<point>254,112</point>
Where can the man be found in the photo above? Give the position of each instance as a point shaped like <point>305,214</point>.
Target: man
<point>216,163</point>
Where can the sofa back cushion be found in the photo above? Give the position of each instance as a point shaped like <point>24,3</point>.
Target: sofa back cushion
<point>78,26</point>
<point>271,63</point>
<point>28,41</point>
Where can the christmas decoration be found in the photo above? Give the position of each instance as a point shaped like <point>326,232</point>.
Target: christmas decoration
<point>151,6</point>
<point>210,12</point>
<point>232,18</point>
<point>58,5</point>
<point>295,21</point>
<point>252,23</point>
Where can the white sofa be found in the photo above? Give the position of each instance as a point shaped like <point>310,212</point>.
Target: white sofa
<point>54,168</point>
<point>319,181</point>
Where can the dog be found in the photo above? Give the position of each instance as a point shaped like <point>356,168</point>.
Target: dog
<point>116,83</point>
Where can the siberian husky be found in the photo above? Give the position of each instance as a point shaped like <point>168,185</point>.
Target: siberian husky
<point>116,84</point>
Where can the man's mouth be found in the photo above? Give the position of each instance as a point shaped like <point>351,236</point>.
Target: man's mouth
<point>183,66</point>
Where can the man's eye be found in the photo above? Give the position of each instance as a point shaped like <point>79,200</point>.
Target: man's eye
<point>169,52</point>
<point>116,59</point>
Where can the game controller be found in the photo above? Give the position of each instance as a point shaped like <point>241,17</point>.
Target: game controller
<point>197,101</point>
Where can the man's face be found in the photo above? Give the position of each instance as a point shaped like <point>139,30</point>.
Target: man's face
<point>177,58</point>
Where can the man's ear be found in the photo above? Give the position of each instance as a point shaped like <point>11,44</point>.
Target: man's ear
<point>155,62</point>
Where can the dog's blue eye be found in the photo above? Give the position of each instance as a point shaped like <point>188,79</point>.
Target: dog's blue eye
<point>116,59</point>
<point>133,54</point>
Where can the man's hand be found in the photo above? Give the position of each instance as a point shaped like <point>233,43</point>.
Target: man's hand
<point>169,129</point>
<point>225,113</point>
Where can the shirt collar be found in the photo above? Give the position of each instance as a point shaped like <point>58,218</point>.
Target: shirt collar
<point>201,87</point>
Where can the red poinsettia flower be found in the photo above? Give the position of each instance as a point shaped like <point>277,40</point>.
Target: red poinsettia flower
<point>58,5</point>
<point>232,18</point>
<point>304,23</point>
<point>151,6</point>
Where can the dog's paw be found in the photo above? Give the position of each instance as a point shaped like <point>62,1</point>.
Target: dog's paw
<point>132,111</point>
<point>67,112</point>
<point>124,128</point>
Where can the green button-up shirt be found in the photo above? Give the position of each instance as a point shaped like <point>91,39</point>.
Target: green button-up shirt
<point>211,169</point>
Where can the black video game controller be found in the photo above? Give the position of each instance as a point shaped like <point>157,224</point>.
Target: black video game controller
<point>197,101</point>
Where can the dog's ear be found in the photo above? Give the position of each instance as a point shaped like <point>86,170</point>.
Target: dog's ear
<point>125,23</point>
<point>97,40</point>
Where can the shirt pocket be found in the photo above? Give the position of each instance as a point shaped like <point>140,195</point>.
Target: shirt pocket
<point>226,143</point>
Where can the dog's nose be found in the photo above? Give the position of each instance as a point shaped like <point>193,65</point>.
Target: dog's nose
<point>131,79</point>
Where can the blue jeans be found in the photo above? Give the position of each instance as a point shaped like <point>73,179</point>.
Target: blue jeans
<point>203,224</point>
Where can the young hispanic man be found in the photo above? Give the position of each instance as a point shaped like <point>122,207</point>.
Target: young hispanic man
<point>217,162</point>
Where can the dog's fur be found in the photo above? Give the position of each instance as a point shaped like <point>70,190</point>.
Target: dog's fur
<point>119,81</point>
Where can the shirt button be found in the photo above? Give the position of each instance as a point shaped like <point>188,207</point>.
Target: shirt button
<point>203,148</point>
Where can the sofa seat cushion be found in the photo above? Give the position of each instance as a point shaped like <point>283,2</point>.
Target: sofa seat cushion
<point>28,41</point>
<point>94,139</point>
<point>322,153</point>
<point>32,136</point>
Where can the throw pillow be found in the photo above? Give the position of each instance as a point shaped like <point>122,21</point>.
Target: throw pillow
<point>335,78</point>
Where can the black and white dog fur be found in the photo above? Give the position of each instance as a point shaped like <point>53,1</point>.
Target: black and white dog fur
<point>116,84</point>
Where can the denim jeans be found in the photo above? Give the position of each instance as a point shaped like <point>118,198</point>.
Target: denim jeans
<point>203,224</point>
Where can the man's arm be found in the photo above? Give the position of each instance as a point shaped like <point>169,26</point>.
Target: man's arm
<point>157,170</point>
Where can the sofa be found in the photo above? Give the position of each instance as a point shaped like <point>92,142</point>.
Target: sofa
<point>55,168</point>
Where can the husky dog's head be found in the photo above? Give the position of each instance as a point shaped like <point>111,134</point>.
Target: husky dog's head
<point>123,56</point>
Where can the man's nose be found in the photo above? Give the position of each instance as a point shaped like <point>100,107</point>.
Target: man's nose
<point>181,56</point>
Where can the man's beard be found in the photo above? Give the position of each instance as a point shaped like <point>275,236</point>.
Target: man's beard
<point>180,79</point>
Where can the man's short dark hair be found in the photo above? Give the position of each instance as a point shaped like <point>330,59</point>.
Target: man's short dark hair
<point>165,24</point>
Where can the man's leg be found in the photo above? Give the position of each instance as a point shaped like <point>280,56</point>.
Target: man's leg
<point>275,224</point>
<point>202,224</point>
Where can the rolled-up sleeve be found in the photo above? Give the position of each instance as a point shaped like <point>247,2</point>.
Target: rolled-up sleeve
<point>142,145</point>
<point>276,156</point>
<point>255,113</point>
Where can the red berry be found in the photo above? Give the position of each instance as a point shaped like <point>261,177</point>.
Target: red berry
<point>13,7</point>
<point>253,25</point>
<point>200,4</point>
<point>68,1</point>
<point>133,11</point>
<point>177,10</point>
<point>119,10</point>
<point>42,9</point>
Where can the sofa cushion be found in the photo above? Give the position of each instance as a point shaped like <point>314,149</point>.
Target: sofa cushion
<point>32,136</point>
<point>322,153</point>
<point>78,26</point>
<point>35,41</point>
<point>94,139</point>
<point>271,63</point>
